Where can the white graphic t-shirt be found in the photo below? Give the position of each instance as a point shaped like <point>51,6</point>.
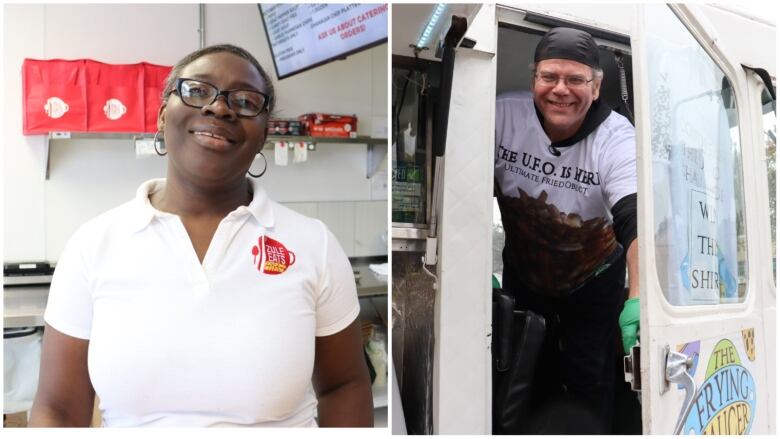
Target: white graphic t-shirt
<point>556,209</point>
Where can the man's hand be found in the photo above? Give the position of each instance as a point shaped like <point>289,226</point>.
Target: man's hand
<point>629,323</point>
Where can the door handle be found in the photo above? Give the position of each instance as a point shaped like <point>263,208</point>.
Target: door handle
<point>676,371</point>
<point>631,370</point>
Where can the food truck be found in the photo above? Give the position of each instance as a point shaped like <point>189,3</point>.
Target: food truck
<point>698,83</point>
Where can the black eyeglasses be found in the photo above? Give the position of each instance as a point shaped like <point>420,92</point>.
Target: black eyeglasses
<point>198,94</point>
<point>573,81</point>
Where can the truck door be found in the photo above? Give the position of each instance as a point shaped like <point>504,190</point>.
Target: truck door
<point>705,271</point>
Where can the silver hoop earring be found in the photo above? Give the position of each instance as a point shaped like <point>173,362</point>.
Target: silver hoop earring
<point>155,145</point>
<point>264,167</point>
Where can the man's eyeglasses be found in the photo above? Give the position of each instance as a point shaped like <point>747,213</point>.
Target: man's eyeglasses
<point>573,81</point>
<point>198,94</point>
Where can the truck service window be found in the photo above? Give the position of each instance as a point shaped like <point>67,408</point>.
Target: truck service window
<point>699,215</point>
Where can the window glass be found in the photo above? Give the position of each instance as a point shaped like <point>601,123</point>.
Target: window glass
<point>697,174</point>
<point>770,142</point>
<point>409,155</point>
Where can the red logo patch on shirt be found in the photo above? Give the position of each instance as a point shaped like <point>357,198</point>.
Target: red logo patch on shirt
<point>270,256</point>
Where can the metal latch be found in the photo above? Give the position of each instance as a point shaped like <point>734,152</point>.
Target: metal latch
<point>676,370</point>
<point>631,369</point>
<point>430,258</point>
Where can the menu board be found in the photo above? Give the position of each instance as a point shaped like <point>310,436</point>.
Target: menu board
<point>304,36</point>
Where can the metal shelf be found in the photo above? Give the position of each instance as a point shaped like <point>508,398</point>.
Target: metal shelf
<point>373,157</point>
<point>362,140</point>
<point>70,135</point>
<point>407,238</point>
<point>66,135</point>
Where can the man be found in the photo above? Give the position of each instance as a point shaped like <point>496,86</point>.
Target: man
<point>565,172</point>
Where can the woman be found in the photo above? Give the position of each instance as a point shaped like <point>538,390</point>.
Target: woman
<point>202,302</point>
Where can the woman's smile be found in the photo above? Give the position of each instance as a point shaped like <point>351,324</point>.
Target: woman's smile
<point>213,140</point>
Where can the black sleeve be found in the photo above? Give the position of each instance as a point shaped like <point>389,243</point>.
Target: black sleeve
<point>624,220</point>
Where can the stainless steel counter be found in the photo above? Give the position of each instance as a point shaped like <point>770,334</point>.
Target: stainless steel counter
<point>24,305</point>
<point>368,282</point>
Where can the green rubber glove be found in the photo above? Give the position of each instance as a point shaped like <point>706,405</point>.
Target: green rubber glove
<point>629,323</point>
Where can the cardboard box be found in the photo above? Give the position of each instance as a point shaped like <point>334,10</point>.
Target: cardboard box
<point>329,125</point>
<point>285,127</point>
<point>15,420</point>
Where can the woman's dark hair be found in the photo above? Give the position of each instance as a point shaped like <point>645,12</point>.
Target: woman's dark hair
<point>235,50</point>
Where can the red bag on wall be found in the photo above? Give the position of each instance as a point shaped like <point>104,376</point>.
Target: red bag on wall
<point>115,101</point>
<point>86,95</point>
<point>55,97</point>
<point>154,84</point>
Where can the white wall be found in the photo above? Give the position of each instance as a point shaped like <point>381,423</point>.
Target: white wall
<point>88,177</point>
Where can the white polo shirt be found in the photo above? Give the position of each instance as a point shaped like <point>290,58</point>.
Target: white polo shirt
<point>226,343</point>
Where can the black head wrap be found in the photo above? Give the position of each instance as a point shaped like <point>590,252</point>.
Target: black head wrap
<point>568,43</point>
